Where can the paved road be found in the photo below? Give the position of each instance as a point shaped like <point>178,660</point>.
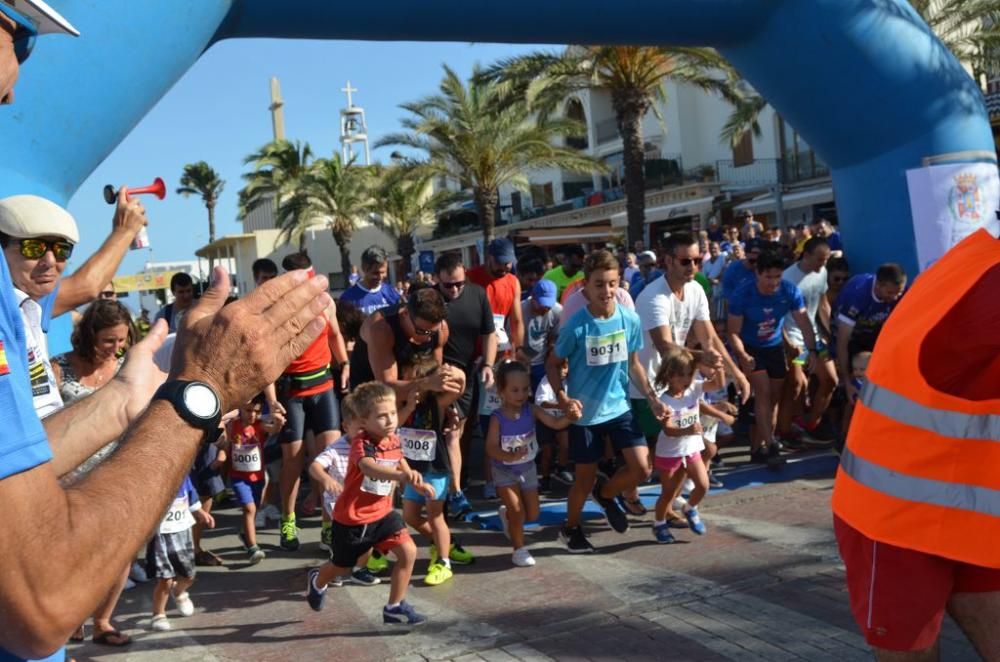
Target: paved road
<point>764,584</point>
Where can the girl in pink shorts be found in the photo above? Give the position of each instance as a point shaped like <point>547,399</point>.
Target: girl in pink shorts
<point>681,443</point>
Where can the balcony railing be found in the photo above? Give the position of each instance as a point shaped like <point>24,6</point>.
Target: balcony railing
<point>762,172</point>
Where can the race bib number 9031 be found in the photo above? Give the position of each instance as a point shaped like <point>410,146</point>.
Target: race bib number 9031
<point>607,349</point>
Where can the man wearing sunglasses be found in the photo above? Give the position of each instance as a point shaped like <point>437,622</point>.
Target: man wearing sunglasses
<point>38,237</point>
<point>20,22</point>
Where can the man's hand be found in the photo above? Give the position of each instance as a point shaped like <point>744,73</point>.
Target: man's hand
<point>140,377</point>
<point>488,378</point>
<point>130,216</point>
<point>742,386</point>
<point>747,362</point>
<point>204,517</point>
<point>660,410</point>
<point>574,410</point>
<point>275,407</point>
<point>711,358</point>
<point>245,346</point>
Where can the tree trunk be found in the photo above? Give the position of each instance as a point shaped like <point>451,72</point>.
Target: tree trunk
<point>631,107</point>
<point>405,248</point>
<point>343,241</point>
<point>211,222</point>
<point>486,206</point>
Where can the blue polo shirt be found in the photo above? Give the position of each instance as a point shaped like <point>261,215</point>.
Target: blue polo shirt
<point>369,301</point>
<point>762,313</point>
<point>734,277</point>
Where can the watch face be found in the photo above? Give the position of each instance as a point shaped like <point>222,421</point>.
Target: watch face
<point>200,400</point>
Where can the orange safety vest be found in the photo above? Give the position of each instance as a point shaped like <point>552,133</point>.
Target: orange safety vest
<point>921,469</point>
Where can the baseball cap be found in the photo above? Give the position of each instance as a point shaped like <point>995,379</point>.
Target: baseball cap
<point>502,250</point>
<point>26,216</point>
<point>544,293</point>
<point>37,16</point>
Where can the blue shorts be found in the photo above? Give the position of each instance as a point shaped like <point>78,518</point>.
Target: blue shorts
<point>247,492</point>
<point>537,375</point>
<point>586,442</point>
<point>440,483</point>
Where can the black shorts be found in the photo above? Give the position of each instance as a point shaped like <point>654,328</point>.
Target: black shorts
<point>351,542</point>
<point>770,359</point>
<point>319,412</point>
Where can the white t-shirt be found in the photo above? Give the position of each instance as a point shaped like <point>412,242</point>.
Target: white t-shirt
<point>683,413</point>
<point>813,287</point>
<point>333,458</point>
<point>546,394</point>
<point>713,267</point>
<point>659,306</point>
<point>44,392</point>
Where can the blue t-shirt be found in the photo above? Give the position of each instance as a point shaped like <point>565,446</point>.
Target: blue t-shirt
<point>23,444</point>
<point>368,301</point>
<point>735,276</point>
<point>836,244</point>
<point>639,283</point>
<point>857,305</point>
<point>598,351</point>
<point>762,313</point>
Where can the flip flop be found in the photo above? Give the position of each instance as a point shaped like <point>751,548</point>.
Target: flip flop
<point>677,523</point>
<point>105,638</point>
<point>207,558</point>
<point>80,634</point>
<point>634,507</point>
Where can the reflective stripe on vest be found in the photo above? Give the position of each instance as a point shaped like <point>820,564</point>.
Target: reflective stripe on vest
<point>921,490</point>
<point>954,424</point>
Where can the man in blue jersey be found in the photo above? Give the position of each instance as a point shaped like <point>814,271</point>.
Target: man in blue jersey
<point>601,343</point>
<point>756,311</point>
<point>859,313</point>
<point>372,292</point>
<point>741,271</point>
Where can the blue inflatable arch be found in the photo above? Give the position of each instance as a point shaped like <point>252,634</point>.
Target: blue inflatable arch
<point>865,82</point>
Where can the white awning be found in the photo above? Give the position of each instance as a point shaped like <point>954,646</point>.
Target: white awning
<point>797,200</point>
<point>695,207</point>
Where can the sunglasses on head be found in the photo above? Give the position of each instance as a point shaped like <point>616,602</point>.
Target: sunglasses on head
<point>35,249</point>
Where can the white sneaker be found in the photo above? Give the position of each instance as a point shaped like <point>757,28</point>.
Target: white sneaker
<point>137,573</point>
<point>184,604</point>
<point>160,624</point>
<point>680,503</point>
<point>504,524</point>
<point>688,486</point>
<point>271,512</point>
<point>522,558</point>
<point>129,584</point>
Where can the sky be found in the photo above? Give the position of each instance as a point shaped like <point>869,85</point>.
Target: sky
<point>218,112</point>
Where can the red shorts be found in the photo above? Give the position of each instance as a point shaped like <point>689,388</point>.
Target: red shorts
<point>898,595</point>
<point>668,465</point>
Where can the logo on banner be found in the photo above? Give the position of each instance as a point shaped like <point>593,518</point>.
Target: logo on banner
<point>964,199</point>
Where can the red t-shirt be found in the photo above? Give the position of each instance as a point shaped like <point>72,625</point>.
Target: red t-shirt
<point>499,291</point>
<point>366,500</point>
<point>316,358</point>
<point>246,450</point>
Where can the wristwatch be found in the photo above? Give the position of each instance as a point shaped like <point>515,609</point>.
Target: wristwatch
<point>195,402</point>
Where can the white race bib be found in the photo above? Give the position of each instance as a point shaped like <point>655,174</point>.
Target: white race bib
<point>607,349</point>
<point>490,400</point>
<point>246,458</point>
<point>178,518</point>
<point>514,442</point>
<point>379,487</point>
<point>499,323</point>
<point>418,445</point>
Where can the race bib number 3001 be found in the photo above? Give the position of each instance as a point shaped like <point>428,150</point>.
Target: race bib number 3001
<point>607,349</point>
<point>418,445</point>
<point>512,443</point>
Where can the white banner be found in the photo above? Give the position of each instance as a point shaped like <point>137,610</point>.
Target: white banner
<point>950,202</point>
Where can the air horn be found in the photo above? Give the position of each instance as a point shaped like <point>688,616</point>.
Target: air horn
<point>157,188</point>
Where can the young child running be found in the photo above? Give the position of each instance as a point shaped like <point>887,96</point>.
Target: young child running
<point>329,471</point>
<point>681,442</point>
<point>243,443</point>
<point>426,451</point>
<point>170,555</point>
<point>363,517</point>
<point>511,444</point>
<point>553,444</point>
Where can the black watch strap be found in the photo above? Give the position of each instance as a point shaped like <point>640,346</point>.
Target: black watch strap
<point>178,393</point>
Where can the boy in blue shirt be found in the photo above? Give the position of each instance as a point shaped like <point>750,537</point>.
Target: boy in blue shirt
<point>371,292</point>
<point>601,343</point>
<point>756,311</point>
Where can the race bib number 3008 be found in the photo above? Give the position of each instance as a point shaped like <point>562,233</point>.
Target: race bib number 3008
<point>418,445</point>
<point>607,349</point>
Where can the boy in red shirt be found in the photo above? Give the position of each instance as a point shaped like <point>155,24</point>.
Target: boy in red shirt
<point>363,517</point>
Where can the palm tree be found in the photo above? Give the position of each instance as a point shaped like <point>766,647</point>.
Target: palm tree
<point>275,178</point>
<point>635,77</point>
<point>968,28</point>
<point>335,192</point>
<point>477,133</point>
<point>403,203</point>
<point>201,179</point>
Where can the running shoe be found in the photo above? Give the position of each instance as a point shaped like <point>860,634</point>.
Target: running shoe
<point>759,456</point>
<point>713,481</point>
<point>459,554</point>
<point>694,521</point>
<point>326,538</point>
<point>255,554</point>
<point>314,596</point>
<point>337,582</point>
<point>504,524</point>
<point>563,475</point>
<point>522,558</point>
<point>272,513</point>
<point>662,534</point>
<point>129,584</point>
<point>402,614</point>
<point>289,537</point>
<point>688,486</point>
<point>792,441</point>
<point>160,624</point>
<point>377,563</point>
<point>458,505</point>
<point>437,573</point>
<point>575,541</point>
<point>260,519</point>
<point>184,604</point>
<point>679,504</point>
<point>612,511</point>
<point>137,573</point>
<point>717,461</point>
<point>362,577</point>
<point>489,491</point>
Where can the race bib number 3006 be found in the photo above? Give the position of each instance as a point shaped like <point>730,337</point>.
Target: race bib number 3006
<point>607,349</point>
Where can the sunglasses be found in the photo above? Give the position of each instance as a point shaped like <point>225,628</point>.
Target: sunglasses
<point>108,295</point>
<point>35,249</point>
<point>688,261</point>
<point>455,285</point>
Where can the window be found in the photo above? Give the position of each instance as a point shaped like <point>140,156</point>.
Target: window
<point>743,152</point>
